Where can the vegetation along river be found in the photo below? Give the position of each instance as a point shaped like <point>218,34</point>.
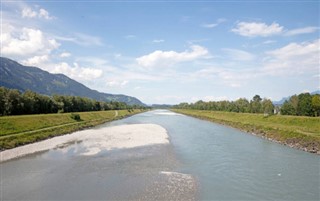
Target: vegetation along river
<point>198,160</point>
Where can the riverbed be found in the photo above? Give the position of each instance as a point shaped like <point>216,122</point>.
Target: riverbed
<point>186,159</point>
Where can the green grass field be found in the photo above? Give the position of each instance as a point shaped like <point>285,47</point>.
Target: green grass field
<point>295,131</point>
<point>24,129</point>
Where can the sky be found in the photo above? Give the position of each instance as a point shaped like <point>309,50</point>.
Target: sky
<point>170,51</point>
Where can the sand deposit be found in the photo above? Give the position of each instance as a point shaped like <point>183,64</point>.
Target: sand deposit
<point>96,140</point>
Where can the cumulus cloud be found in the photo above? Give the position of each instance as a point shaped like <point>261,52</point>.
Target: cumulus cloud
<point>165,58</point>
<point>26,41</point>
<point>294,58</point>
<point>76,72</point>
<point>36,60</point>
<point>41,13</point>
<point>252,29</point>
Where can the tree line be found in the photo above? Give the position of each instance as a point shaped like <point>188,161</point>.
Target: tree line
<point>242,105</point>
<point>303,104</point>
<point>14,102</point>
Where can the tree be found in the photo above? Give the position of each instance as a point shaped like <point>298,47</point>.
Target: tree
<point>14,104</point>
<point>243,105</point>
<point>304,105</point>
<point>287,109</point>
<point>255,104</point>
<point>294,100</point>
<point>3,92</point>
<point>315,104</point>
<point>267,106</point>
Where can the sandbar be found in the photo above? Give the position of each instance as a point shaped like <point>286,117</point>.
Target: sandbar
<point>96,140</point>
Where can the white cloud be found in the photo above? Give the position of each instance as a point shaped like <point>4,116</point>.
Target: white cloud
<point>252,29</point>
<point>26,41</point>
<point>209,98</point>
<point>269,42</point>
<point>294,58</point>
<point>44,14</point>
<point>82,39</point>
<point>212,25</point>
<point>29,13</point>
<point>65,54</point>
<point>299,31</point>
<point>239,55</point>
<point>41,13</point>
<point>115,83</point>
<point>165,58</point>
<point>36,60</point>
<point>295,49</point>
<point>75,72</point>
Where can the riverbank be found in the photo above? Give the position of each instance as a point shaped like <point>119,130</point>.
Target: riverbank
<point>25,129</point>
<point>297,132</point>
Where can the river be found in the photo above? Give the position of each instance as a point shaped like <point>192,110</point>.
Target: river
<point>203,161</point>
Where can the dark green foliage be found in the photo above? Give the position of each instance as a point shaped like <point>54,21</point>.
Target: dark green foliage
<point>287,109</point>
<point>241,105</point>
<point>75,117</point>
<point>303,104</point>
<point>13,102</point>
<point>315,102</point>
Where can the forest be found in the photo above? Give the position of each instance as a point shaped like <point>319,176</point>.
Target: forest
<point>303,104</point>
<point>14,102</point>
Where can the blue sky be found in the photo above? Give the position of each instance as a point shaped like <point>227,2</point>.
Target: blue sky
<point>170,52</point>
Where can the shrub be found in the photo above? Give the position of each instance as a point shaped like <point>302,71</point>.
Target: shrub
<point>75,117</point>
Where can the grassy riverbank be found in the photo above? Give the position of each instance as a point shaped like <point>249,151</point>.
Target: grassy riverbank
<point>294,131</point>
<point>25,129</point>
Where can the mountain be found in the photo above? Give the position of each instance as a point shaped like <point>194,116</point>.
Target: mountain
<point>280,102</point>
<point>16,76</point>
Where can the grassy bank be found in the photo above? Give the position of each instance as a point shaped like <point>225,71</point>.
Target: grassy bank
<point>294,131</point>
<point>24,129</point>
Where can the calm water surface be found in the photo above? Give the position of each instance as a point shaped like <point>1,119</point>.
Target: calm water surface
<point>226,164</point>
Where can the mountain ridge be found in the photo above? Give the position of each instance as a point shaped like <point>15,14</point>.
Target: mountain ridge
<point>17,76</point>
<point>280,102</point>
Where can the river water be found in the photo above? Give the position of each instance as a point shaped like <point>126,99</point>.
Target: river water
<point>204,161</point>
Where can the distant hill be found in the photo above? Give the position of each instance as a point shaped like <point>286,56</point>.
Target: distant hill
<point>280,102</point>
<point>16,76</point>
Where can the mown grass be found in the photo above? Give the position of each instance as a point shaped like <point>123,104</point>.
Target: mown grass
<point>24,129</point>
<point>295,131</point>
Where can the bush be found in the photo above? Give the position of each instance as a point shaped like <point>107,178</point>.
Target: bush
<point>75,117</point>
